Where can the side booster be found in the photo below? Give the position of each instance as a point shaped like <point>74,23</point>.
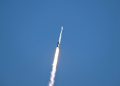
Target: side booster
<point>58,44</point>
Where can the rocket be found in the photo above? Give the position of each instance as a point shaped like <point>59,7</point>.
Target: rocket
<point>58,44</point>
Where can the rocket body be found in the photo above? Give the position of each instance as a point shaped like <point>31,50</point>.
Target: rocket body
<point>58,44</point>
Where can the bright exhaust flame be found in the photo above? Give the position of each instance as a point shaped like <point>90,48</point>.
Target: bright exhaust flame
<point>51,83</point>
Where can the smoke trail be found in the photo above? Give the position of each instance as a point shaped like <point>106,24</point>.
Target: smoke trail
<point>54,65</point>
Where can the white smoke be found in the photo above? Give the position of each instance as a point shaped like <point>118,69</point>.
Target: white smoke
<point>54,65</point>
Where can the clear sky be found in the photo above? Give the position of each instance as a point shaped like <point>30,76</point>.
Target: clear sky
<point>89,50</point>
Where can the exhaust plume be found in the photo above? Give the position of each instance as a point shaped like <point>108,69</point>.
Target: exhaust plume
<point>54,65</point>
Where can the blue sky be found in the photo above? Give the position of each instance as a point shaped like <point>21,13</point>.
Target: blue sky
<point>89,50</point>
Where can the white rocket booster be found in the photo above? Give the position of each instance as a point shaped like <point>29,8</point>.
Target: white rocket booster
<point>51,83</point>
<point>58,44</point>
